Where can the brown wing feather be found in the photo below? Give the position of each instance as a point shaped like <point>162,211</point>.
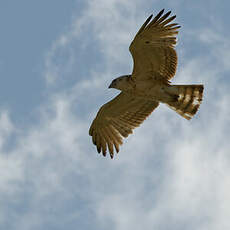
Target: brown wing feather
<point>153,48</point>
<point>116,119</point>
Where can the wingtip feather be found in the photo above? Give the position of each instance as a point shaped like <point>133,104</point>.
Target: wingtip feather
<point>98,149</point>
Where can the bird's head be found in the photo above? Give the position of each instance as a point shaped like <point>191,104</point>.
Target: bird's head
<point>121,83</point>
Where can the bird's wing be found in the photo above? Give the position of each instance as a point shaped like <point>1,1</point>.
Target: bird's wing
<point>117,119</point>
<point>153,48</point>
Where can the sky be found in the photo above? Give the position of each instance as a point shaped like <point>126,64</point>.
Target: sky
<point>57,59</point>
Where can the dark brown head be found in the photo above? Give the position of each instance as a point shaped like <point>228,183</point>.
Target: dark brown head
<point>120,83</point>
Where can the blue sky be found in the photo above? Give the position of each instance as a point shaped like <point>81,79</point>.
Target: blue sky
<point>57,59</point>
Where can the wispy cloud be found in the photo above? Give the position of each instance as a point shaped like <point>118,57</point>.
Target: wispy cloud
<point>170,174</point>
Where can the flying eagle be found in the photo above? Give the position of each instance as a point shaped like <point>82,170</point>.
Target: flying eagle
<point>155,63</point>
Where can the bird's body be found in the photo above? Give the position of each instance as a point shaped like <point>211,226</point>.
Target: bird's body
<point>179,97</point>
<point>149,88</point>
<point>155,62</point>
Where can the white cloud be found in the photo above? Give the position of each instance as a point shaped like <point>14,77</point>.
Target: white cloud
<point>170,174</point>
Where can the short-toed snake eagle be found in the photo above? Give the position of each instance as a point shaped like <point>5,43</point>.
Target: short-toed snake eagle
<point>155,63</point>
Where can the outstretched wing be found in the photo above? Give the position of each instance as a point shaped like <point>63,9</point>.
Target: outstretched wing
<point>117,119</point>
<point>153,48</point>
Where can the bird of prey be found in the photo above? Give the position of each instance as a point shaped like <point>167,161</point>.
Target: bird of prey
<point>155,63</point>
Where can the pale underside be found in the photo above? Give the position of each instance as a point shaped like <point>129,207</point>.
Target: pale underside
<point>154,58</point>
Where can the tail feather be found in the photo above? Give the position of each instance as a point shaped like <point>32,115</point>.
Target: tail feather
<point>188,101</point>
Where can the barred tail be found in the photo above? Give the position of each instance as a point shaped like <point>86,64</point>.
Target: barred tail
<point>189,100</point>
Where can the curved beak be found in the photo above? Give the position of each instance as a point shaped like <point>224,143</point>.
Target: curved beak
<point>110,86</point>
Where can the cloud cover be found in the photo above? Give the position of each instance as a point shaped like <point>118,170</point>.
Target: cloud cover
<point>170,174</point>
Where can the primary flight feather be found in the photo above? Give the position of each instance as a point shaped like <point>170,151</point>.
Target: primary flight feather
<point>155,63</point>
